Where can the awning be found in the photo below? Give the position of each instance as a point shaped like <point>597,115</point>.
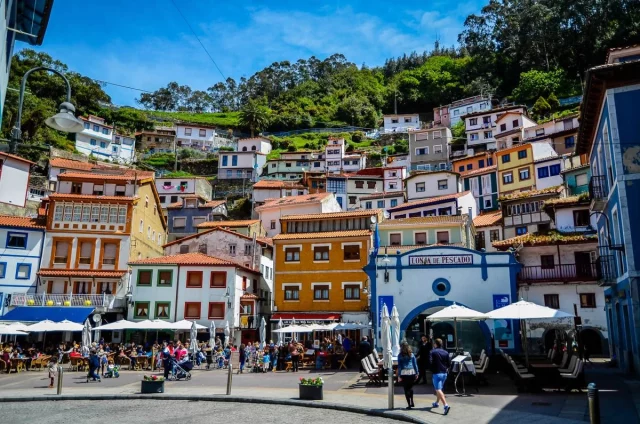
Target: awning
<point>53,313</point>
<point>302,317</point>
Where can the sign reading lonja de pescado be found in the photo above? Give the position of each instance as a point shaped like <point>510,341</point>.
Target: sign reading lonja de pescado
<point>441,260</point>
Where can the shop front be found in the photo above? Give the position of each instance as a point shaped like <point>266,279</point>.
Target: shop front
<point>422,281</point>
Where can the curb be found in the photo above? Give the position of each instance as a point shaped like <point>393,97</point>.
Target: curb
<point>398,416</point>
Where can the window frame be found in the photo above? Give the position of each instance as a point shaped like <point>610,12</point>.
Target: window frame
<point>135,309</point>
<point>346,256</point>
<point>352,286</point>
<point>287,288</point>
<point>550,299</point>
<point>547,261</point>
<point>150,278</point>
<point>17,233</point>
<point>187,282</point>
<point>588,305</point>
<point>186,307</point>
<point>322,250</point>
<point>322,288</point>
<point>29,268</point>
<point>224,310</point>
<point>160,271</point>
<point>294,250</point>
<point>155,309</point>
<point>211,279</point>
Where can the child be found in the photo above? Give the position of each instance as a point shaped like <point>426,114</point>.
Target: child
<point>53,370</point>
<point>266,361</point>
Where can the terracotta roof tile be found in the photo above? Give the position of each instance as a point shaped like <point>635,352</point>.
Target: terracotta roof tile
<point>249,296</point>
<point>428,201</point>
<point>22,222</point>
<point>329,234</point>
<point>263,240</point>
<point>551,238</point>
<point>531,193</point>
<point>191,259</point>
<point>55,196</point>
<point>350,214</point>
<point>277,184</point>
<point>228,224</point>
<point>488,219</point>
<point>125,176</point>
<point>390,195</point>
<point>293,200</point>
<point>441,219</point>
<point>55,272</point>
<point>71,164</point>
<point>480,171</point>
<point>205,204</point>
<point>581,199</point>
<point>213,203</point>
<point>16,157</point>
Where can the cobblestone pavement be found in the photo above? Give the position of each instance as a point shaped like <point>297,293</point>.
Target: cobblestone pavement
<point>183,412</point>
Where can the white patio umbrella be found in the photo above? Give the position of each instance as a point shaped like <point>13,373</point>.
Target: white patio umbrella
<point>456,313</point>
<point>185,325</point>
<point>280,335</point>
<point>387,354</point>
<point>524,311</point>
<point>395,331</point>
<point>46,326</point>
<point>263,333</point>
<point>294,329</point>
<point>6,330</point>
<point>212,334</point>
<point>86,337</point>
<point>123,324</point>
<point>227,332</point>
<point>294,335</point>
<point>193,335</point>
<point>17,326</point>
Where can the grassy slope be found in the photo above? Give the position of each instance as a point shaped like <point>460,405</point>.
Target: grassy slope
<point>228,119</point>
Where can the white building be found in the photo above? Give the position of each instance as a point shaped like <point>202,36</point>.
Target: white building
<point>400,123</point>
<point>171,190</point>
<point>21,242</point>
<point>449,204</point>
<point>255,144</point>
<point>422,185</point>
<point>241,165</point>
<point>463,107</point>
<point>14,179</point>
<point>510,128</point>
<point>271,211</point>
<point>276,189</point>
<point>383,201</point>
<point>548,172</point>
<point>481,127</point>
<point>561,132</point>
<point>488,229</point>
<point>200,137</point>
<point>98,139</point>
<point>337,160</point>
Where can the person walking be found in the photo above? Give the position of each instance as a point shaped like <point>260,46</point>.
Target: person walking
<point>52,366</point>
<point>440,363</point>
<point>364,350</point>
<point>407,372</point>
<point>424,351</point>
<point>243,358</point>
<point>166,359</point>
<point>94,364</point>
<point>295,355</point>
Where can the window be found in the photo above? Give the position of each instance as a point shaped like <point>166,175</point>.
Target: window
<point>23,271</point>
<point>216,310</point>
<point>407,119</point>
<point>503,127</point>
<point>547,261</point>
<point>380,204</point>
<point>481,163</point>
<point>420,238</point>
<point>473,137</point>
<point>179,222</point>
<point>394,203</point>
<point>359,184</point>
<point>202,133</point>
<point>487,203</point>
<point>554,169</point>
<point>105,131</point>
<point>368,205</point>
<point>197,220</point>
<point>16,240</point>
<point>371,184</point>
<point>522,154</point>
<point>539,131</point>
<point>232,249</point>
<point>292,254</point>
<point>507,178</point>
<point>442,237</point>
<point>76,188</point>
<point>351,292</point>
<point>569,142</point>
<point>192,310</point>
<point>61,255</point>
<point>437,148</point>
<point>141,310</point>
<point>489,161</point>
<point>473,121</point>
<point>494,235</point>
<point>543,172</point>
<point>514,123</point>
<point>395,239</point>
<point>582,179</point>
<point>187,131</point>
<point>86,251</point>
<point>351,252</point>
<point>96,128</point>
<point>174,199</point>
<point>163,310</point>
<point>422,151</point>
<point>587,300</point>
<point>488,134</point>
<point>87,125</point>
<point>247,249</point>
<point>234,160</point>
<point>521,231</point>
<point>581,218</point>
<point>103,144</point>
<point>109,254</point>
<point>506,158</point>
<point>524,174</point>
<point>194,279</point>
<point>420,187</point>
<point>321,292</point>
<point>291,293</point>
<point>552,301</point>
<point>144,277</point>
<point>225,160</point>
<point>321,253</point>
<point>353,200</point>
<point>165,278</point>
<point>184,248</point>
<point>218,279</point>
<point>273,224</point>
<point>456,112</point>
<point>3,269</point>
<point>443,184</point>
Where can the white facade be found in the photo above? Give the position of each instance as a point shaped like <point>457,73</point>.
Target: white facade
<point>432,184</point>
<point>568,221</point>
<point>548,172</point>
<point>551,127</point>
<point>99,140</point>
<point>481,128</point>
<point>171,190</point>
<point>401,123</point>
<point>490,234</point>
<point>241,165</point>
<point>353,162</point>
<point>334,153</point>
<point>200,137</point>
<point>258,144</point>
<point>14,179</point>
<point>394,177</point>
<point>389,200</point>
<point>457,112</point>
<point>20,253</point>
<point>435,206</point>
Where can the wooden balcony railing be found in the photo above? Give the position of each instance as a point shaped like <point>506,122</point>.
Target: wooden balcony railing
<point>560,273</point>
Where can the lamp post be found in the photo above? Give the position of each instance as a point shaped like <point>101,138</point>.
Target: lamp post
<point>65,120</point>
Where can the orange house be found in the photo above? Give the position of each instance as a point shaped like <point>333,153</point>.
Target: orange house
<point>477,161</point>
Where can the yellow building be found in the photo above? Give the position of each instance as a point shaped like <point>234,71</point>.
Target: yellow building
<point>318,267</point>
<point>515,169</point>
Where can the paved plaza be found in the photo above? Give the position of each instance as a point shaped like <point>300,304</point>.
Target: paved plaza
<point>497,403</point>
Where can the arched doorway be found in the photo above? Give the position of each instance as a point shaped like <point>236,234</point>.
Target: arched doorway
<point>592,341</point>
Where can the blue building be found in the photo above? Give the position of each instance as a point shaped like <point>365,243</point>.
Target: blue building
<point>610,135</point>
<point>185,215</point>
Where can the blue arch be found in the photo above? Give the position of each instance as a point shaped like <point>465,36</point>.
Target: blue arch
<point>444,302</point>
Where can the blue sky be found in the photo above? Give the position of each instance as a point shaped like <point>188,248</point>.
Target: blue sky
<point>146,44</point>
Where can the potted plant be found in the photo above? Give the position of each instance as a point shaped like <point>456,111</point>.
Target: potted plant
<point>311,388</point>
<point>49,302</point>
<point>67,303</point>
<point>152,384</point>
<point>31,302</point>
<point>87,302</point>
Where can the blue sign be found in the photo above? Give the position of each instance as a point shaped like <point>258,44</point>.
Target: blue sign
<point>500,300</point>
<point>503,329</point>
<point>384,300</point>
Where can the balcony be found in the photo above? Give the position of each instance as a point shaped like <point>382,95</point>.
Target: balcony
<point>558,273</point>
<point>249,321</point>
<point>101,301</point>
<point>607,271</point>
<point>598,192</point>
<point>577,190</point>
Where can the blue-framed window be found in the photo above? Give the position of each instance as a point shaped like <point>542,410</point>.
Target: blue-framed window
<point>380,204</point>
<point>103,144</point>
<point>23,271</point>
<point>569,142</point>
<point>16,240</point>
<point>93,142</point>
<point>506,158</point>
<point>96,128</point>
<point>481,163</point>
<point>105,131</point>
<point>234,160</point>
<point>520,231</point>
<point>339,199</point>
<point>522,154</point>
<point>3,269</point>
<point>229,173</point>
<point>461,168</point>
<point>489,161</point>
<point>554,169</point>
<point>115,149</point>
<point>469,166</point>
<point>87,125</point>
<point>394,203</point>
<point>543,172</point>
<point>368,205</point>
<point>225,160</point>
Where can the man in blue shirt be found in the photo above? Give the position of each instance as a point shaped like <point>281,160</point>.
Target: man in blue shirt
<point>440,363</point>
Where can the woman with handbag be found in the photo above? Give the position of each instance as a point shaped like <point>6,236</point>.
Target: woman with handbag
<point>407,372</point>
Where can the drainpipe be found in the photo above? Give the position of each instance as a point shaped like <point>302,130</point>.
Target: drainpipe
<point>467,226</point>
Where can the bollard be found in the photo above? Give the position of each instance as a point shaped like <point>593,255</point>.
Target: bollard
<point>229,378</point>
<point>60,373</point>
<point>594,403</point>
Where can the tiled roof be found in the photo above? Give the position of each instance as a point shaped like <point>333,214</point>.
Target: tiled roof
<point>488,219</point>
<point>479,171</point>
<point>55,196</point>
<point>266,240</point>
<point>125,177</point>
<point>184,259</point>
<point>389,194</point>
<point>21,221</point>
<point>531,193</point>
<point>207,204</point>
<point>263,240</point>
<point>213,204</point>
<point>98,273</point>
<point>249,296</point>
<point>328,234</point>
<point>228,224</point>
<point>176,205</point>
<point>16,157</point>
<point>435,171</point>
<point>277,184</point>
<point>293,200</point>
<point>428,201</point>
<point>441,219</point>
<point>575,168</point>
<point>581,199</point>
<point>71,164</point>
<point>328,215</point>
<point>551,238</point>
<point>472,156</point>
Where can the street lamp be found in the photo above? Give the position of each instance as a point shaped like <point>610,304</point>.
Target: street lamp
<point>64,120</point>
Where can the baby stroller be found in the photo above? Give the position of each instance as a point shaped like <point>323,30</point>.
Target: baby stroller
<point>113,371</point>
<point>181,370</point>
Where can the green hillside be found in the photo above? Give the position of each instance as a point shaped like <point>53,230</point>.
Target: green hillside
<point>220,119</point>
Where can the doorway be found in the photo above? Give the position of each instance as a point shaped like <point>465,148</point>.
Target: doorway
<point>583,264</point>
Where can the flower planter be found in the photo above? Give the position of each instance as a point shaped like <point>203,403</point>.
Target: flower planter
<point>308,392</point>
<point>152,386</point>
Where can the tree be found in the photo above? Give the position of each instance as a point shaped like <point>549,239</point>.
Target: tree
<point>458,130</point>
<point>255,116</point>
<point>541,108</point>
<point>553,101</point>
<point>534,84</point>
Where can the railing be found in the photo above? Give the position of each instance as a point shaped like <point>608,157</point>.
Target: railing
<point>607,272</point>
<point>429,167</point>
<point>108,301</point>
<point>249,321</point>
<point>598,188</point>
<point>576,190</point>
<point>564,272</point>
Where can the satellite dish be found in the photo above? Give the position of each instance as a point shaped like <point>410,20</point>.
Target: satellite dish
<point>374,219</point>
<point>96,318</point>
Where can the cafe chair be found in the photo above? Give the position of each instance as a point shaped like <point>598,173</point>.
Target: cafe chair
<point>372,374</point>
<point>342,363</point>
<point>574,380</point>
<point>572,366</point>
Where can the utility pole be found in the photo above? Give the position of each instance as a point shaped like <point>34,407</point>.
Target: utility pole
<point>395,102</point>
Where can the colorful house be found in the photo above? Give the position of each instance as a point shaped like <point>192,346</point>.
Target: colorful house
<point>185,215</point>
<point>483,184</point>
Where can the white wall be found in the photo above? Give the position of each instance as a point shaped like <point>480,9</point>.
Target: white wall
<point>262,194</point>
<point>564,219</point>
<point>549,181</point>
<point>274,214</point>
<point>455,113</point>
<point>386,202</point>
<point>487,236</point>
<point>543,149</point>
<point>14,181</point>
<point>12,257</point>
<point>431,185</point>
<point>261,145</point>
<point>401,126</point>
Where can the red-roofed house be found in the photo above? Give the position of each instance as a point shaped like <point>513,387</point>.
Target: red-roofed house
<point>185,215</point>
<point>274,189</point>
<point>98,139</point>
<point>450,204</point>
